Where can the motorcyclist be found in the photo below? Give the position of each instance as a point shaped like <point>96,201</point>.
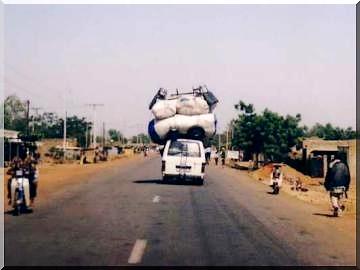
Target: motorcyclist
<point>276,174</point>
<point>145,149</point>
<point>32,174</point>
<point>337,182</point>
<point>15,165</point>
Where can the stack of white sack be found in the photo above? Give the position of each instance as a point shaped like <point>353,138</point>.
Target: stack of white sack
<point>188,115</point>
<point>192,105</point>
<point>185,105</point>
<point>164,108</point>
<point>183,123</point>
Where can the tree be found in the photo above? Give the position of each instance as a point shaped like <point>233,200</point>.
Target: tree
<point>214,141</point>
<point>76,128</point>
<point>47,125</point>
<point>14,114</point>
<point>115,135</point>
<point>144,138</point>
<point>246,135</point>
<point>140,138</point>
<point>268,133</point>
<point>328,132</point>
<point>134,139</point>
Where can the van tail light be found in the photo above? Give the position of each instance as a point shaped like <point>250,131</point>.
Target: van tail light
<point>203,167</point>
<point>163,165</point>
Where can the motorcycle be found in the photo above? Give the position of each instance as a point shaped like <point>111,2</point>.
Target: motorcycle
<point>276,186</point>
<point>20,192</point>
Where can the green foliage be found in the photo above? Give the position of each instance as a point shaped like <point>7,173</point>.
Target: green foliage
<point>268,133</point>
<point>47,125</point>
<point>76,128</point>
<point>214,141</point>
<point>15,114</point>
<point>328,132</point>
<point>140,138</point>
<point>115,135</point>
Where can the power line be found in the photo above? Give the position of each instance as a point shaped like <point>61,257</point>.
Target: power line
<point>15,85</point>
<point>29,78</point>
<point>31,93</point>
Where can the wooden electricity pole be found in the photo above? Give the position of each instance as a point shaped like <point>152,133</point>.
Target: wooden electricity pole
<point>27,117</point>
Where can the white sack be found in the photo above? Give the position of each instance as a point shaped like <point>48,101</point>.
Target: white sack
<point>191,105</point>
<point>164,109</point>
<point>162,127</point>
<point>182,123</point>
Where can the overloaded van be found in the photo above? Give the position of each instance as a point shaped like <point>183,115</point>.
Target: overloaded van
<point>184,159</point>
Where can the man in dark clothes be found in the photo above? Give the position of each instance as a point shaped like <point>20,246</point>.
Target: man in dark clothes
<point>337,182</point>
<point>223,156</point>
<point>32,174</point>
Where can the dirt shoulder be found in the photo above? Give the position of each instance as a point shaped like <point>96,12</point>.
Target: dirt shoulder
<point>312,191</point>
<point>56,177</point>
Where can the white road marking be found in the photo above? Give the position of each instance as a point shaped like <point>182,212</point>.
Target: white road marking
<point>137,251</point>
<point>156,199</point>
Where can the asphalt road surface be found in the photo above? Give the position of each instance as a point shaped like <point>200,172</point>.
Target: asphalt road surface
<point>125,215</point>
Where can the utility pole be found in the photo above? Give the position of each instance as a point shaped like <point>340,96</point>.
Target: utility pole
<point>232,130</point>
<point>64,141</point>
<point>103,134</point>
<point>27,116</point>
<point>94,105</point>
<point>219,141</point>
<point>86,135</point>
<point>227,138</point>
<point>36,109</point>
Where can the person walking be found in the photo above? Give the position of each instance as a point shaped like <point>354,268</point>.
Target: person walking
<point>216,157</point>
<point>222,155</point>
<point>207,154</point>
<point>337,182</point>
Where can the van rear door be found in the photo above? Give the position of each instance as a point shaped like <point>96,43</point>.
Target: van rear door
<point>185,157</point>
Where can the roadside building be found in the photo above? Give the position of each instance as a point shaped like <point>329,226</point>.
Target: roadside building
<point>13,146</point>
<point>316,155</point>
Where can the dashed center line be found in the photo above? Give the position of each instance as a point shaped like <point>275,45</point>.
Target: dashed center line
<point>137,251</point>
<point>156,199</point>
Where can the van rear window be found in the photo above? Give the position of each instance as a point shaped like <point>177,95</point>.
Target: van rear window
<point>189,149</point>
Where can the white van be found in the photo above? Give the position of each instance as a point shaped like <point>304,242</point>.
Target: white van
<point>184,159</point>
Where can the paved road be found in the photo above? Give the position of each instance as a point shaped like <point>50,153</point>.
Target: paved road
<point>231,220</point>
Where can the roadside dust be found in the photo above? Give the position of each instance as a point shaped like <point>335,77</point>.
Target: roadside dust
<point>313,189</point>
<point>55,177</point>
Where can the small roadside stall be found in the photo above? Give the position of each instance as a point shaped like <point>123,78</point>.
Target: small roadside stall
<point>12,145</point>
<point>17,145</point>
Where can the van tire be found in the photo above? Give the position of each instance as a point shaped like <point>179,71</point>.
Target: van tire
<point>200,182</point>
<point>165,179</point>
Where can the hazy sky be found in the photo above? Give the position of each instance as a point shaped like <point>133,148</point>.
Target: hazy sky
<point>288,58</point>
